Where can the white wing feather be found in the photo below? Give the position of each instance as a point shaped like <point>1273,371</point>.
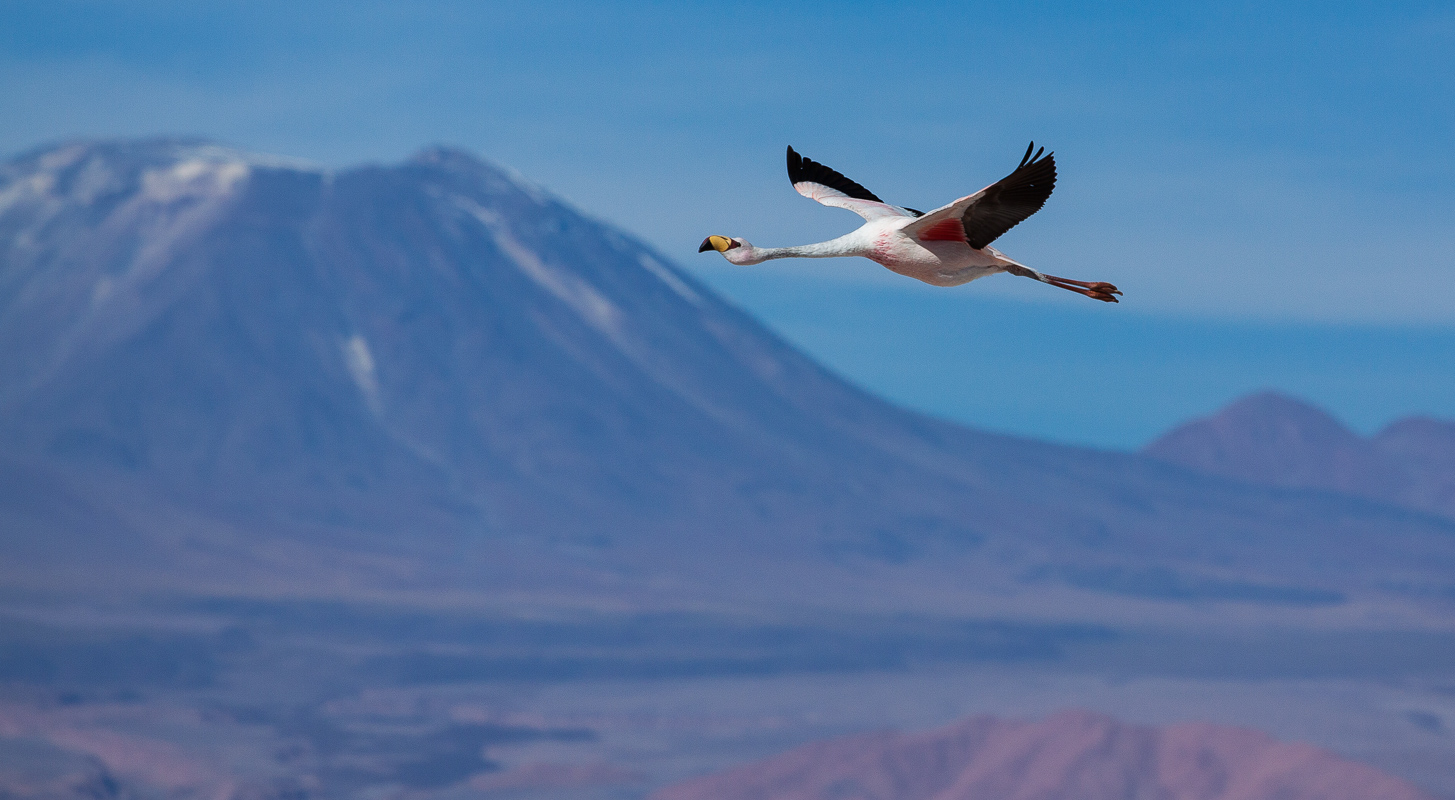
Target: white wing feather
<point>868,209</point>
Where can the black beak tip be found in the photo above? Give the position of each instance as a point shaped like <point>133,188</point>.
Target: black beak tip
<point>705,246</point>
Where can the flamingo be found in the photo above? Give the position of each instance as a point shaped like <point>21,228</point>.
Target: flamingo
<point>946,247</point>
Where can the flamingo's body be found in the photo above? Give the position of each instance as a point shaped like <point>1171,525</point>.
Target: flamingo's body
<point>946,247</point>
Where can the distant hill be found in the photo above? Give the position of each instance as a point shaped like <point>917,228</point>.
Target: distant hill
<point>229,373</point>
<point>1069,756</point>
<point>1279,441</point>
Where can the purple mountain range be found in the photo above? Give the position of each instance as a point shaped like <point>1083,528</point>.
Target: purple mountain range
<point>1279,441</point>
<point>1073,755</point>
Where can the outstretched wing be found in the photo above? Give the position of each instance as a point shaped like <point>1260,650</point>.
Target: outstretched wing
<point>828,186</point>
<point>982,217</point>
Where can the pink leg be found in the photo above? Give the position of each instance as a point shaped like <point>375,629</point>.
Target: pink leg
<point>1097,290</point>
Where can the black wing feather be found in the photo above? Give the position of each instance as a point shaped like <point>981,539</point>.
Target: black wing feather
<point>806,169</point>
<point>1009,201</point>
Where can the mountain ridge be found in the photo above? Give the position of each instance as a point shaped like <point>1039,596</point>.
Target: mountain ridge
<point>1275,440</point>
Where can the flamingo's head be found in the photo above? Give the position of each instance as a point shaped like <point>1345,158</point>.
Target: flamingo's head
<point>736,251</point>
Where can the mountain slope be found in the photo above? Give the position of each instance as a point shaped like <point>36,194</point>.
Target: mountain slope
<point>1426,449</point>
<point>1071,755</point>
<point>266,376</point>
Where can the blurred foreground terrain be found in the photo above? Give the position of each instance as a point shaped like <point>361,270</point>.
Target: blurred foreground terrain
<point>412,481</point>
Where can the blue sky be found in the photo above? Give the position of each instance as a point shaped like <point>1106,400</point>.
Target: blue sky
<point>1077,373</point>
<point>1240,170</point>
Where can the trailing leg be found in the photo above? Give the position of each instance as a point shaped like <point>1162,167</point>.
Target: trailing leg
<point>1097,290</point>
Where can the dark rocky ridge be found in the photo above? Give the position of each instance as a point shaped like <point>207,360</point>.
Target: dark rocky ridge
<point>238,374</point>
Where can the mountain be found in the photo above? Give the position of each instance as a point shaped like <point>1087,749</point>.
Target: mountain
<point>438,350</point>
<point>1279,441</point>
<point>1069,756</point>
<point>1425,448</point>
<point>223,373</point>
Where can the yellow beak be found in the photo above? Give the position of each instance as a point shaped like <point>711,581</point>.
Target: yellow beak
<point>719,243</point>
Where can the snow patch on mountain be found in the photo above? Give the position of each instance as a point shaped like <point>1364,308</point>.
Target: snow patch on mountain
<point>360,362</point>
<point>590,303</point>
<point>193,178</point>
<point>673,282</point>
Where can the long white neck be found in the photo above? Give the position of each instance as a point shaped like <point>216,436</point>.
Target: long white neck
<point>833,248</point>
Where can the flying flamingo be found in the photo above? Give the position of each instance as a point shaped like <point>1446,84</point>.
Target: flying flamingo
<point>946,247</point>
